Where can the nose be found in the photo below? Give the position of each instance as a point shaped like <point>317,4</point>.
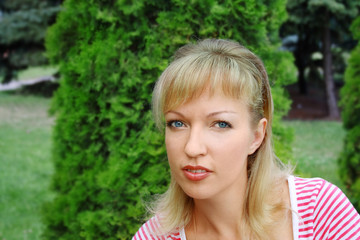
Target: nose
<point>195,145</point>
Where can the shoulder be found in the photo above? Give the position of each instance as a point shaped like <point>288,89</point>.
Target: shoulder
<point>325,207</point>
<point>151,230</point>
<point>306,188</point>
<point>318,191</point>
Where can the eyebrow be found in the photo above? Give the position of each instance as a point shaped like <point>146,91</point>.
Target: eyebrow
<point>209,115</point>
<point>178,113</point>
<point>219,112</point>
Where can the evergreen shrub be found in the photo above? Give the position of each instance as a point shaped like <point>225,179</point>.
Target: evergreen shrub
<point>349,161</point>
<point>109,158</point>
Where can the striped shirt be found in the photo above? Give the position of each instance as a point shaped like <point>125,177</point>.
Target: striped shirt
<point>320,211</point>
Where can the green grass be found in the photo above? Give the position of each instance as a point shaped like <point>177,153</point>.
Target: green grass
<point>316,147</point>
<point>26,168</point>
<point>35,72</point>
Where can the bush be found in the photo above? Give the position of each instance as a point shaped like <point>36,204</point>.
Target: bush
<point>108,156</point>
<point>349,160</point>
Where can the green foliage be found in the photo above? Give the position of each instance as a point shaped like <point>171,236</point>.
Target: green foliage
<point>23,25</point>
<point>349,160</point>
<point>108,156</point>
<point>312,13</point>
<point>304,35</point>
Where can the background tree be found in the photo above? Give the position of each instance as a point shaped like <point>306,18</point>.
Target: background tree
<point>320,26</point>
<point>108,157</point>
<point>349,160</point>
<point>23,25</point>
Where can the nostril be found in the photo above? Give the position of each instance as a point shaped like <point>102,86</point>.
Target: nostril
<point>195,146</point>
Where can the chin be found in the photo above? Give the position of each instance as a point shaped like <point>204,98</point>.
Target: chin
<point>198,194</point>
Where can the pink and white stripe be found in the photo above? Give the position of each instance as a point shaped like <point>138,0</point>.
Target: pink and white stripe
<point>324,211</point>
<point>148,232</point>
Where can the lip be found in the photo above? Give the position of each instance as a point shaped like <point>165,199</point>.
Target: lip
<point>196,176</point>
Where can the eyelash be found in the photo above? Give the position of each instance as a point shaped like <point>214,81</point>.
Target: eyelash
<point>228,125</point>
<point>170,123</point>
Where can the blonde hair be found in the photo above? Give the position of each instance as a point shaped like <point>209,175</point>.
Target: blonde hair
<point>227,66</point>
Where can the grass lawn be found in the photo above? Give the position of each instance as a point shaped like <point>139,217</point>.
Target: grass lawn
<point>25,134</point>
<point>26,167</point>
<point>316,147</point>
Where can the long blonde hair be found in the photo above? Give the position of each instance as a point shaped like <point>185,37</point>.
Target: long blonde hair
<point>240,74</point>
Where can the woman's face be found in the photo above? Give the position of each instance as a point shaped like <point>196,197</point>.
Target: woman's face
<point>208,140</point>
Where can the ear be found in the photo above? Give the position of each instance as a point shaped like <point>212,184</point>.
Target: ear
<point>259,135</point>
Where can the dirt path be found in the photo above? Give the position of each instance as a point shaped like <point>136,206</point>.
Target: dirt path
<point>312,106</point>
<point>18,84</point>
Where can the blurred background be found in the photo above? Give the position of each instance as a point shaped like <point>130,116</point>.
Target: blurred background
<point>75,85</point>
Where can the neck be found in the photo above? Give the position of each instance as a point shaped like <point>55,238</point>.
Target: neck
<point>219,216</point>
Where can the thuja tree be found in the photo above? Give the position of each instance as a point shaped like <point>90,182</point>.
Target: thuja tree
<point>109,158</point>
<point>349,160</point>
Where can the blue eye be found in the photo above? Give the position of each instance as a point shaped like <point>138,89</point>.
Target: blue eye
<point>175,124</point>
<point>223,124</point>
<point>178,124</point>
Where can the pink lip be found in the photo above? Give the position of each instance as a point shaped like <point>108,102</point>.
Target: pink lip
<point>196,176</point>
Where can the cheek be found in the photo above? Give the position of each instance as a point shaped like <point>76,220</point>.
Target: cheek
<point>174,154</point>
<point>173,148</point>
<point>233,150</point>
<point>170,143</point>
<point>233,160</point>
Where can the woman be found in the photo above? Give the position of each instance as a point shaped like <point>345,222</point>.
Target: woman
<point>215,103</point>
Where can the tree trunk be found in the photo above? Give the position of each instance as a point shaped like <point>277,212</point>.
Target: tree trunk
<point>301,78</point>
<point>301,63</point>
<point>327,65</point>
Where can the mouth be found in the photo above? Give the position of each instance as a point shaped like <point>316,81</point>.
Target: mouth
<point>196,173</point>
<point>196,169</point>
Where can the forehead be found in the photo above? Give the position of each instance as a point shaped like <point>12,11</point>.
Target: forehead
<point>207,98</point>
<point>212,100</point>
